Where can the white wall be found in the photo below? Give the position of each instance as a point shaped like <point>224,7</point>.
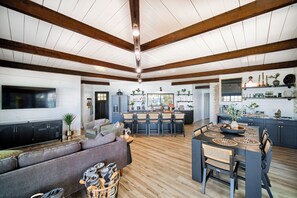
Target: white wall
<point>127,88</point>
<point>269,106</point>
<point>67,89</point>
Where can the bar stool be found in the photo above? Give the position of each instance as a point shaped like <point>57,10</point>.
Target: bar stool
<point>179,118</point>
<point>153,119</point>
<point>128,121</point>
<point>141,118</point>
<point>166,118</point>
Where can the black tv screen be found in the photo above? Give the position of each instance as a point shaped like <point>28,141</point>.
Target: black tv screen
<point>17,97</point>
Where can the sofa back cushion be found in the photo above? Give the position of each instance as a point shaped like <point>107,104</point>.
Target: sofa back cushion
<point>37,156</point>
<point>8,164</point>
<point>97,141</point>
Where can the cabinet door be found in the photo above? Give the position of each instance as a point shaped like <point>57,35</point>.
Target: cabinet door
<point>274,132</point>
<point>41,131</point>
<point>23,134</point>
<point>289,136</point>
<point>6,136</point>
<point>55,130</point>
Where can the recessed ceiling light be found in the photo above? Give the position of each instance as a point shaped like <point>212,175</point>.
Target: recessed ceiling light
<point>135,30</point>
<point>138,70</point>
<point>137,52</point>
<point>139,80</point>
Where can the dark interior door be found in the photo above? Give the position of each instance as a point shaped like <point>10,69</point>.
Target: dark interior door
<point>101,105</point>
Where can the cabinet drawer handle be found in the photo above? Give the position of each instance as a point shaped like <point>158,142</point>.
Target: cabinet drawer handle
<point>280,122</point>
<point>279,126</point>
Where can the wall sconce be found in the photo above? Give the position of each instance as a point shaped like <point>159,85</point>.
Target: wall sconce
<point>89,102</point>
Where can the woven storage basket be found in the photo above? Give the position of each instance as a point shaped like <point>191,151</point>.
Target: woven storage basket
<point>111,191</point>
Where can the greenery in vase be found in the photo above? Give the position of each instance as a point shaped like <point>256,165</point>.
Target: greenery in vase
<point>253,106</point>
<point>68,119</point>
<point>234,112</point>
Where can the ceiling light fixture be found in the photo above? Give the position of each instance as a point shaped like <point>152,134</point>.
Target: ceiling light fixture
<point>137,52</point>
<point>139,80</point>
<point>138,70</point>
<point>135,31</point>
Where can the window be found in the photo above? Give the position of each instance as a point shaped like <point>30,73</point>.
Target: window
<point>101,96</point>
<point>231,90</point>
<point>157,99</point>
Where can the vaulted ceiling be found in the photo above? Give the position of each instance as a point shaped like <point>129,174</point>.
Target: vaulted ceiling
<point>184,41</point>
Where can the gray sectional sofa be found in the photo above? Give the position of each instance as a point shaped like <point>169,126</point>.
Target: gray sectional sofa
<point>60,166</point>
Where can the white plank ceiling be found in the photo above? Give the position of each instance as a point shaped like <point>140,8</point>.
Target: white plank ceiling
<point>157,18</point>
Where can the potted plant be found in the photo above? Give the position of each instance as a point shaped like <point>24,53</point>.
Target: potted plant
<point>252,107</point>
<point>68,119</point>
<point>275,82</point>
<point>132,105</point>
<point>234,113</point>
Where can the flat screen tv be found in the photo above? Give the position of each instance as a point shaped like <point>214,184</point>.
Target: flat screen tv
<point>17,97</point>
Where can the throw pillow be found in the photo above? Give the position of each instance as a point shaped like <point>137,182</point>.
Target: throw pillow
<point>97,141</point>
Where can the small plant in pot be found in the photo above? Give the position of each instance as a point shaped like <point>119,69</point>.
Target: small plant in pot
<point>234,113</point>
<point>68,119</point>
<point>275,82</point>
<point>132,103</point>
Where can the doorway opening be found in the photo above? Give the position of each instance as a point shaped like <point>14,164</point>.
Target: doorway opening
<point>101,105</point>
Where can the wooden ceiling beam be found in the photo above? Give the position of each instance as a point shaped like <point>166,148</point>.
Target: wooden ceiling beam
<point>13,45</point>
<point>40,12</point>
<point>94,82</point>
<point>196,82</point>
<point>238,14</point>
<point>16,65</point>
<point>268,48</point>
<point>280,65</point>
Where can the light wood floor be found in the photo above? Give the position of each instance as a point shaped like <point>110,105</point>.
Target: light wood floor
<point>161,167</point>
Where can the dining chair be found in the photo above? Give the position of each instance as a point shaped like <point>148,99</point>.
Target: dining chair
<point>153,119</point>
<point>209,124</point>
<point>196,132</point>
<point>263,138</point>
<point>141,118</point>
<point>204,128</point>
<point>128,121</point>
<point>179,119</point>
<point>266,161</point>
<point>220,160</point>
<point>166,118</point>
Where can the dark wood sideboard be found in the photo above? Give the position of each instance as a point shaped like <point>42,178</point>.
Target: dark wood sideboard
<point>20,134</point>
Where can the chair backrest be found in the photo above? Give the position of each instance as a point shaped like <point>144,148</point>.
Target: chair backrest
<point>179,116</point>
<point>166,116</point>
<point>264,138</point>
<point>153,116</point>
<point>196,132</point>
<point>267,152</point>
<point>210,125</point>
<point>128,116</point>
<point>204,129</point>
<point>141,116</point>
<point>263,133</point>
<point>216,153</point>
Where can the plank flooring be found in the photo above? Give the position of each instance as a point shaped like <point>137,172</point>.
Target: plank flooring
<point>161,167</point>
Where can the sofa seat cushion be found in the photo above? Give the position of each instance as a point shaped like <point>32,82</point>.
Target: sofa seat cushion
<point>97,141</point>
<point>8,164</point>
<point>37,156</point>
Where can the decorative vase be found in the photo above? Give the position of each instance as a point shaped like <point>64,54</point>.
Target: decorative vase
<point>234,124</point>
<point>276,83</point>
<point>126,136</point>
